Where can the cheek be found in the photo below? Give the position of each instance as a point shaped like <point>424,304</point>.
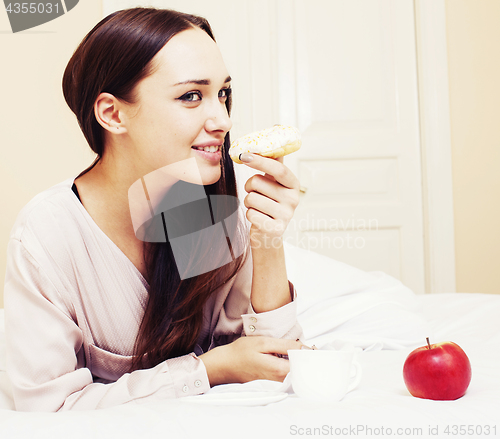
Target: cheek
<point>179,131</point>
<point>169,129</point>
<point>187,123</point>
<point>143,128</point>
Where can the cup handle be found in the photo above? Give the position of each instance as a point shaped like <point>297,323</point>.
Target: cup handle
<point>356,377</point>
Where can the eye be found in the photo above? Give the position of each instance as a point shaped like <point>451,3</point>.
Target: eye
<point>191,96</point>
<point>225,92</point>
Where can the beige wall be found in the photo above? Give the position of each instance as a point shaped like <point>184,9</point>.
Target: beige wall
<point>41,144</point>
<point>40,141</point>
<point>473,33</point>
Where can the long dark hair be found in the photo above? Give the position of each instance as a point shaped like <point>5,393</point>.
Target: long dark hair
<point>112,58</point>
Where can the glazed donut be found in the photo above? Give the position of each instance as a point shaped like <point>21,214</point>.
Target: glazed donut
<point>272,142</point>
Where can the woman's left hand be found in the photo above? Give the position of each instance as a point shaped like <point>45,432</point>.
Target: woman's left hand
<point>272,198</point>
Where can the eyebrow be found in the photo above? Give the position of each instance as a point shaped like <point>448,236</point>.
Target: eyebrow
<point>200,81</point>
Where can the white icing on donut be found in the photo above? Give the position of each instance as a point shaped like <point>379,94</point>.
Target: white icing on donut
<point>267,141</point>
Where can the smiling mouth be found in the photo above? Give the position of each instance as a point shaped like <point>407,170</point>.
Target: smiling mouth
<point>208,148</point>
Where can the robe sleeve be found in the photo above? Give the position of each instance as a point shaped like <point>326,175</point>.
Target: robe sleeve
<point>45,356</point>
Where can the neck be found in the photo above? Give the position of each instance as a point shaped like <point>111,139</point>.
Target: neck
<point>109,184</point>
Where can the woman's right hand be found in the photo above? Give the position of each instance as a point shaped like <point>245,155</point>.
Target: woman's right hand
<point>247,359</point>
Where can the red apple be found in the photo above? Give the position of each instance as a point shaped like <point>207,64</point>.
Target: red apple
<point>439,371</point>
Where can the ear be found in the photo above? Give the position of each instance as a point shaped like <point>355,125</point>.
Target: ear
<point>107,112</point>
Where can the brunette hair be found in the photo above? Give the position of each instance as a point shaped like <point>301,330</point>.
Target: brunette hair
<point>112,58</point>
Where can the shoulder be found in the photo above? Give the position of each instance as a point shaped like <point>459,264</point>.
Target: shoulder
<point>48,213</point>
<point>45,234</point>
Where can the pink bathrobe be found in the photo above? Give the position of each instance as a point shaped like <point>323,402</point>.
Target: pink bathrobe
<point>73,306</point>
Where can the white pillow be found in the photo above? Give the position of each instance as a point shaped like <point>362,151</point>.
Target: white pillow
<point>336,301</point>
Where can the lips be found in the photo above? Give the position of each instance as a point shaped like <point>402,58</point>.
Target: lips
<point>214,156</point>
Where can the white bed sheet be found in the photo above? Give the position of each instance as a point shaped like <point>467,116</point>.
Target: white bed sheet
<point>337,302</point>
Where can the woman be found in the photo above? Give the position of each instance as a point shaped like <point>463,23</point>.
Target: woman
<point>97,314</point>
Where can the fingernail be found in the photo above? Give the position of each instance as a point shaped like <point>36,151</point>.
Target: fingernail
<point>247,158</point>
<point>305,347</point>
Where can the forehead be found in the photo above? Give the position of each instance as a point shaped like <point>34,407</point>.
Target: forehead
<point>190,54</point>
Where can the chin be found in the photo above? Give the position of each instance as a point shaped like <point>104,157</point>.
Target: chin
<point>208,180</point>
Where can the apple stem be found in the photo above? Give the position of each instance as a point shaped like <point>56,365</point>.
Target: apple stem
<point>428,344</point>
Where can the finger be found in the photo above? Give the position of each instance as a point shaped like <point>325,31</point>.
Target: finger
<point>277,368</point>
<point>265,186</point>
<point>265,227</point>
<point>262,187</point>
<point>270,177</point>
<point>263,204</point>
<point>265,224</point>
<point>272,168</point>
<point>280,345</point>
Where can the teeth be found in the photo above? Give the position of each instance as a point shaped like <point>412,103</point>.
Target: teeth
<point>208,148</point>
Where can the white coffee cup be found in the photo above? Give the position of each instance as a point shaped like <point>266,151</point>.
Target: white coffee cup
<point>323,375</point>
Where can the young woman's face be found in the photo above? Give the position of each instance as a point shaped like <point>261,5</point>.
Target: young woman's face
<point>181,107</point>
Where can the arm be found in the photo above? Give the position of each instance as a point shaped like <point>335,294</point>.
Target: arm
<point>249,344</point>
<point>271,202</point>
<point>48,361</point>
<point>234,315</point>
<point>270,289</point>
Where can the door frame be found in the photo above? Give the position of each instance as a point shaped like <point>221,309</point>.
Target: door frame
<point>435,141</point>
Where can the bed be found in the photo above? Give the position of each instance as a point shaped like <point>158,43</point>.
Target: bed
<point>337,303</point>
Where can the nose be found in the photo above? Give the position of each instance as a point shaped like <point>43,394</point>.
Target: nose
<point>218,119</point>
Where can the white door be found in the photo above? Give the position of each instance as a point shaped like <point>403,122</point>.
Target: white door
<point>344,72</point>
<point>353,69</point>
